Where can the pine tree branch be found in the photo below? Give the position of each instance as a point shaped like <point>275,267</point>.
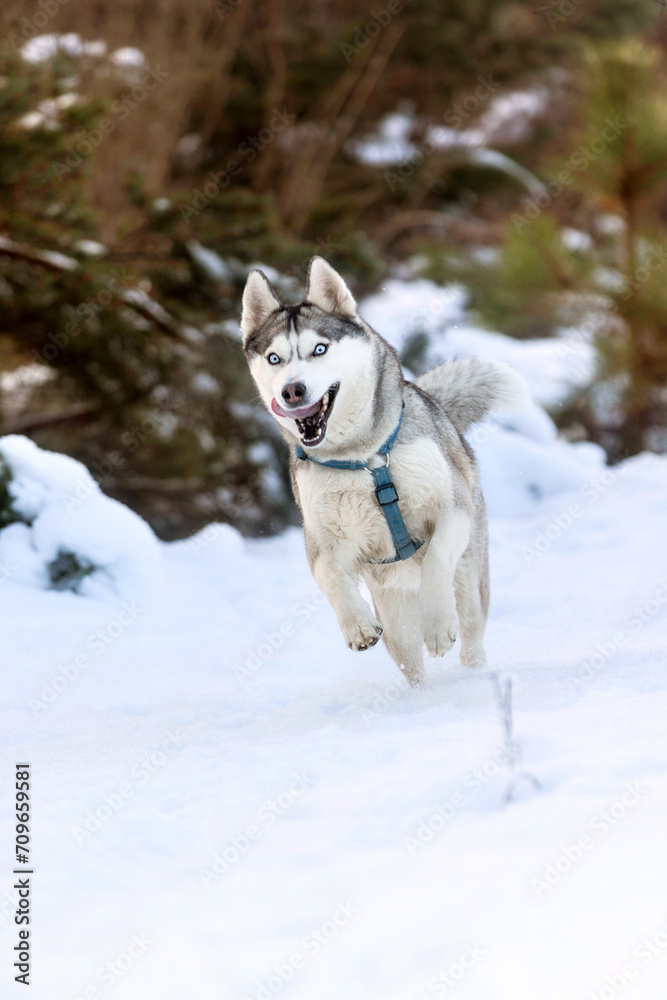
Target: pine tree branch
<point>32,423</point>
<point>149,484</point>
<point>148,307</point>
<point>49,258</point>
<point>389,230</point>
<point>136,298</point>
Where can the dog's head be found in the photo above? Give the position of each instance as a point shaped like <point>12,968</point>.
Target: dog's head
<point>313,362</point>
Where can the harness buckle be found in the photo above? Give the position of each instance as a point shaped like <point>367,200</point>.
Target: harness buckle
<point>385,500</point>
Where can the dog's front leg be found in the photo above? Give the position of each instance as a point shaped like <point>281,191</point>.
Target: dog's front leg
<point>338,578</point>
<point>437,601</point>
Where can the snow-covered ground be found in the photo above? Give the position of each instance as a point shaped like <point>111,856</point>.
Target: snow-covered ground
<point>230,805</point>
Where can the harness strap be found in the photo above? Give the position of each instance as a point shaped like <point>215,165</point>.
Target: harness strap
<point>386,496</point>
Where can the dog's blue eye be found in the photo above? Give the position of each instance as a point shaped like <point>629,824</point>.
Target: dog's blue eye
<point>320,349</point>
<point>273,359</point>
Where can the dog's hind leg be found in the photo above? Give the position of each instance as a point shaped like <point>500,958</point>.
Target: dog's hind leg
<point>398,611</point>
<point>471,585</point>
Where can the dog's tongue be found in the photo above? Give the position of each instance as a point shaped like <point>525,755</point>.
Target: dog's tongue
<point>296,412</point>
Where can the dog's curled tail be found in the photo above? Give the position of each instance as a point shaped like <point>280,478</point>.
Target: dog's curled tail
<point>468,389</point>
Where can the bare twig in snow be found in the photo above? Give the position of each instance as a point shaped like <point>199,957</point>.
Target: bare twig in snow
<point>503,695</point>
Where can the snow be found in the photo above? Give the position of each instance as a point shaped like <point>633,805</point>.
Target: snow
<point>128,56</point>
<point>24,376</point>
<point>66,511</point>
<point>210,262</point>
<point>499,161</point>
<point>204,384</point>
<point>610,225</point>
<point>391,144</point>
<point>228,803</point>
<point>576,240</point>
<point>508,119</point>
<point>44,47</point>
<point>401,309</point>
<point>47,111</point>
<point>91,248</point>
<point>140,300</point>
<point>50,257</point>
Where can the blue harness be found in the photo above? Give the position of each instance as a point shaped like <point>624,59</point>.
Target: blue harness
<point>386,494</point>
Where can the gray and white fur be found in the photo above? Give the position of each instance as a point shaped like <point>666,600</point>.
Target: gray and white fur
<point>336,388</point>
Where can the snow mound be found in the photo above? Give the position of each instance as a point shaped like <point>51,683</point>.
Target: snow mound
<point>550,367</point>
<point>68,534</point>
<point>401,310</point>
<point>522,461</point>
<point>519,472</point>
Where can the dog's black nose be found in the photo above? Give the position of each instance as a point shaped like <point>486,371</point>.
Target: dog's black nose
<point>294,393</point>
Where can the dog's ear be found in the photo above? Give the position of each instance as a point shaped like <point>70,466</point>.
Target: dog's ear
<point>327,290</point>
<point>259,301</point>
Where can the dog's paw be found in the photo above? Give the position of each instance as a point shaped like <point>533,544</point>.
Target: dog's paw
<point>414,675</point>
<point>473,656</point>
<point>439,638</point>
<point>362,633</point>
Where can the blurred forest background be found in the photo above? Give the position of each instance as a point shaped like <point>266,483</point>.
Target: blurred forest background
<point>151,151</point>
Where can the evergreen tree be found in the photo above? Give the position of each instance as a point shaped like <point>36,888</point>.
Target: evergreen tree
<point>608,276</point>
<point>134,383</point>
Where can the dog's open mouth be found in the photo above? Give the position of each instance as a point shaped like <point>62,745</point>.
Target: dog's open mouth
<point>313,427</point>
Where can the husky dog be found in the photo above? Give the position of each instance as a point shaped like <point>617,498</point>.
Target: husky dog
<point>338,394</point>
